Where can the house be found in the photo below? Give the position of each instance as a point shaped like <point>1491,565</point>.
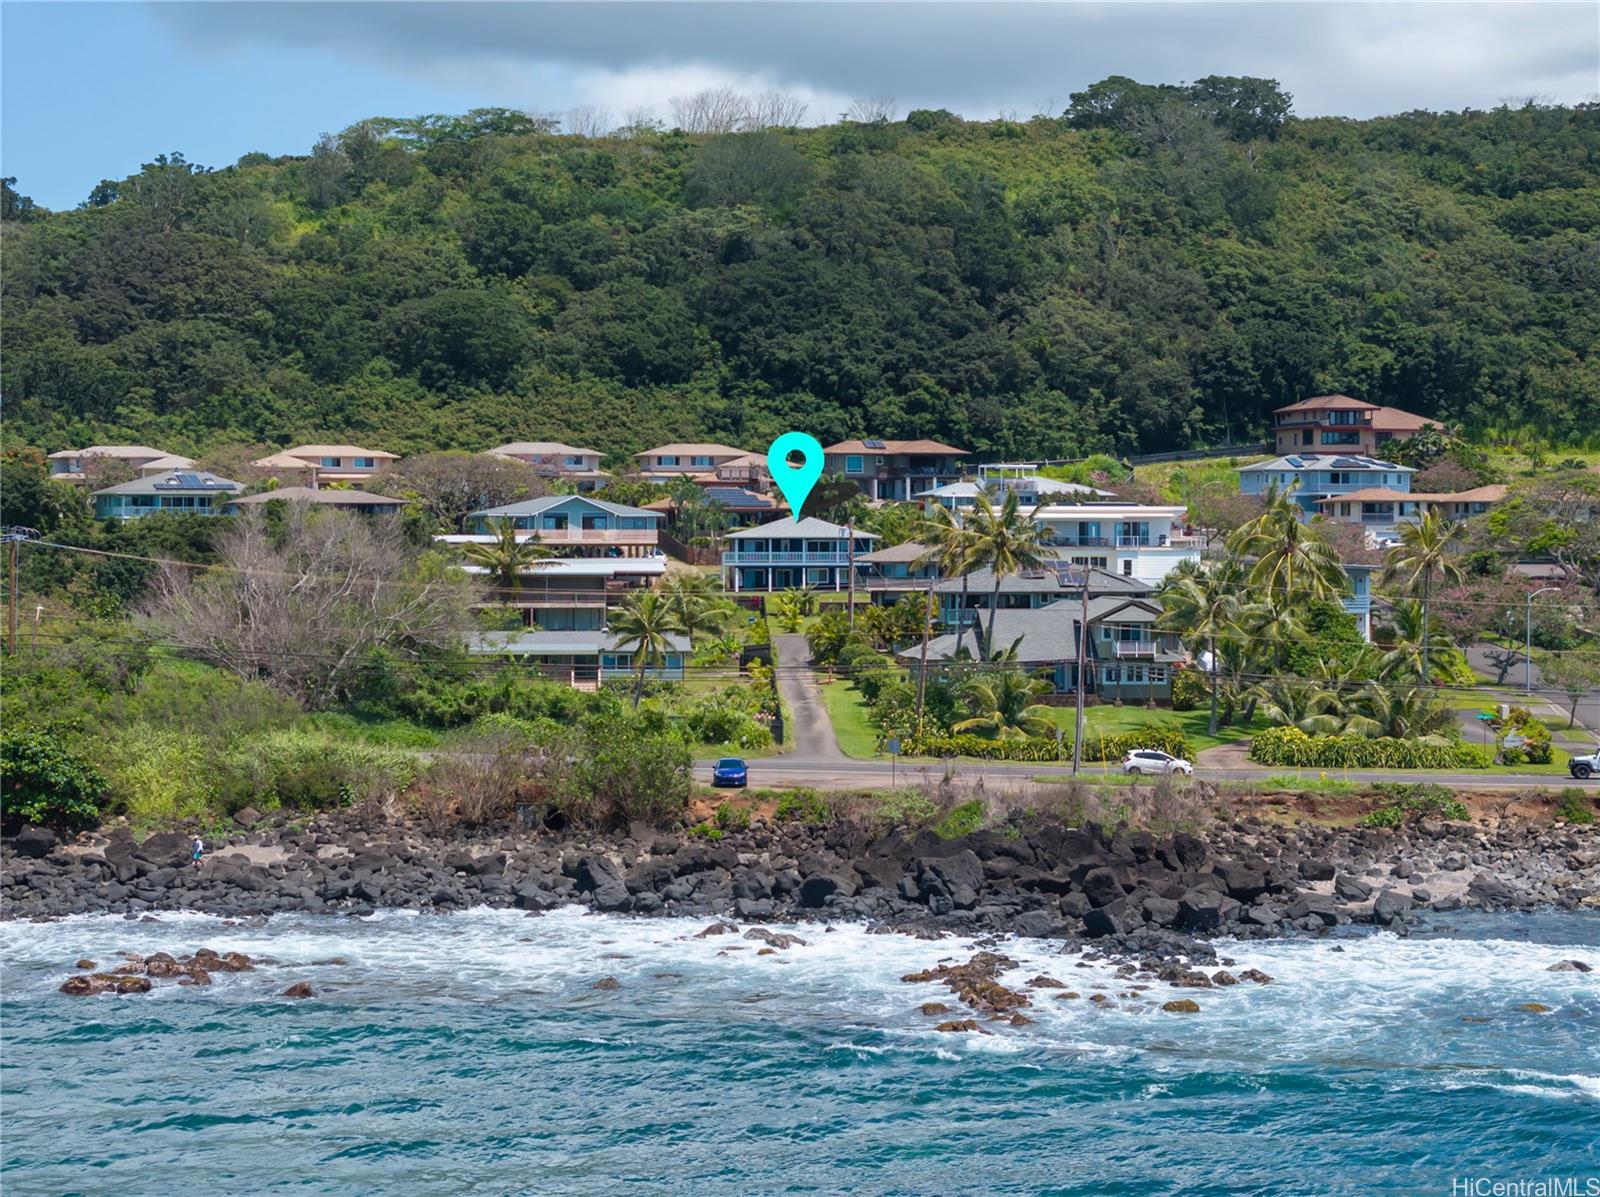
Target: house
<point>582,659</point>
<point>736,507</point>
<point>1381,510</point>
<point>357,501</point>
<point>1340,424</point>
<point>1128,658</point>
<point>1359,601</point>
<point>297,471</point>
<point>74,465</point>
<point>894,470</point>
<point>553,459</point>
<point>668,463</point>
<point>1130,539</point>
<point>789,553</point>
<point>748,471</point>
<point>963,600</point>
<point>1002,478</point>
<point>900,569</point>
<point>191,493</point>
<point>570,594</point>
<point>577,525</point>
<point>1313,477</point>
<point>330,463</point>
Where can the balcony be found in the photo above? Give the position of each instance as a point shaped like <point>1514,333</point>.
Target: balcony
<point>1135,648</point>
<point>1171,541</point>
<point>787,557</point>
<point>594,536</point>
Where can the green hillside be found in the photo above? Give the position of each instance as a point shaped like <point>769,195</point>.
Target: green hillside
<point>1156,269</point>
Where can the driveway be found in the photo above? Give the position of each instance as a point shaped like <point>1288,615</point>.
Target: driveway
<point>809,729</point>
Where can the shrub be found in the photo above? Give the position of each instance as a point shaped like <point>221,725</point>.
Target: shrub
<point>627,775</point>
<point>1189,689</point>
<point>309,771</point>
<point>1289,746</point>
<point>732,818</point>
<point>804,805</point>
<point>42,781</point>
<point>706,831</point>
<point>1043,748</point>
<point>1575,806</point>
<point>159,776</point>
<point>960,820</point>
<point>1414,800</point>
<point>905,807</point>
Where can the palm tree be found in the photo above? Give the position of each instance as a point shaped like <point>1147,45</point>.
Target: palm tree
<point>948,555</point>
<point>505,557</point>
<point>1427,548</point>
<point>1003,540</point>
<point>1302,703</point>
<point>646,621</point>
<point>1408,655</point>
<point>1204,605</point>
<point>698,601</point>
<point>1403,712</point>
<point>1002,707</point>
<point>1293,561</point>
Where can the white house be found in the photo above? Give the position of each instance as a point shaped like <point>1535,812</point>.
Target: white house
<point>1129,539</point>
<point>789,553</point>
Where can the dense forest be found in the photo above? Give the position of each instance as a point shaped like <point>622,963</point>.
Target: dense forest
<point>1157,267</point>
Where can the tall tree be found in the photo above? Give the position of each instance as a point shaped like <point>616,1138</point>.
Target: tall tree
<point>506,558</point>
<point>646,622</point>
<point>1427,555</point>
<point>1292,560</point>
<point>1003,540</point>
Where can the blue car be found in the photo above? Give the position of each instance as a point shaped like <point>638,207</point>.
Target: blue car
<point>730,771</point>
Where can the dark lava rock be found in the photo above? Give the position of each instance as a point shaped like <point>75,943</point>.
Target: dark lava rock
<point>1351,889</point>
<point>300,989</point>
<point>1181,1006</point>
<point>1317,906</point>
<point>608,983</point>
<point>34,842</point>
<point>1570,966</point>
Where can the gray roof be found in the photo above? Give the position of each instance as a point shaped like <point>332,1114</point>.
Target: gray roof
<point>1048,634</point>
<point>1047,581</point>
<point>1039,486</point>
<point>331,498</point>
<point>790,528</point>
<point>908,551</point>
<point>561,642</point>
<point>176,482</point>
<point>545,502</point>
<point>1295,462</point>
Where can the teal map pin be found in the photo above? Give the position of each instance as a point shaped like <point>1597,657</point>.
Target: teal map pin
<point>795,481</point>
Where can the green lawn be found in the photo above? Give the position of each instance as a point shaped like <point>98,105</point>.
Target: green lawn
<point>852,721</point>
<point>1112,720</point>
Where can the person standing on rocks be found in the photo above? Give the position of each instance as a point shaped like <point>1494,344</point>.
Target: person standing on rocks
<point>197,849</point>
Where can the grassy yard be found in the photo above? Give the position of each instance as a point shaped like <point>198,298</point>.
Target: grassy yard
<point>852,721</point>
<point>1113,720</point>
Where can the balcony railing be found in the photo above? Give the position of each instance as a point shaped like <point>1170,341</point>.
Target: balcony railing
<point>1135,648</point>
<point>582,536</point>
<point>792,557</point>
<point>1171,541</point>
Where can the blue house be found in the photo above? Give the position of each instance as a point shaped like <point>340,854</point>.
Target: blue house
<point>578,525</point>
<point>191,492</point>
<point>1312,478</point>
<point>789,553</point>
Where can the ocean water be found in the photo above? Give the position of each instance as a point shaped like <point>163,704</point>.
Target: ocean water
<point>471,1053</point>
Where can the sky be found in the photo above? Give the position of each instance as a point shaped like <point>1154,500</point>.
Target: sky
<point>88,91</point>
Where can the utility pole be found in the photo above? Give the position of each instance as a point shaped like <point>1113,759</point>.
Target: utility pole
<point>13,536</point>
<point>1083,644</point>
<point>850,556</point>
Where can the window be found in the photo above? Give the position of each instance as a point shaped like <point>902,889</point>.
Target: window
<point>569,460</point>
<point>854,464</point>
<point>700,459</point>
<point>667,459</point>
<point>1341,438</point>
<point>1127,567</point>
<point>330,463</point>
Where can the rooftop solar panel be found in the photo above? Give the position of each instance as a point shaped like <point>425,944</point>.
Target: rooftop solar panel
<point>875,444</point>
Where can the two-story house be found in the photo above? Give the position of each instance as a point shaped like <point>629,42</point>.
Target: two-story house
<point>1130,539</point>
<point>1126,657</point>
<point>789,553</point>
<point>553,459</point>
<point>574,526</point>
<point>895,470</point>
<point>571,594</point>
<point>964,600</point>
<point>75,465</point>
<point>668,463</point>
<point>322,464</point>
<point>900,569</point>
<point>1340,424</point>
<point>1381,510</point>
<point>182,491</point>
<point>1311,478</point>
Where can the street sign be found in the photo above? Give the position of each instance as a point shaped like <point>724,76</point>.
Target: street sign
<point>1513,740</point>
<point>894,745</point>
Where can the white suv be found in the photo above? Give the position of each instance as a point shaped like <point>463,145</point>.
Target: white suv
<point>1148,760</point>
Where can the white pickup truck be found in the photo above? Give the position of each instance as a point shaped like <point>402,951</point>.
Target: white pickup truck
<point>1584,766</point>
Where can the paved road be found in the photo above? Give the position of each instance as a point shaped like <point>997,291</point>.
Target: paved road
<point>843,773</point>
<point>1588,707</point>
<point>810,731</point>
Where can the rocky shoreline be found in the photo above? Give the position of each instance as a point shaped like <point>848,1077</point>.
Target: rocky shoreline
<point>1128,890</point>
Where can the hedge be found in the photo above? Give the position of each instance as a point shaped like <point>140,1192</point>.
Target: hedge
<point>1293,747</point>
<point>1041,748</point>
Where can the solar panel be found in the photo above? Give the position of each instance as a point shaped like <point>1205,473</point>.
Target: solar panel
<point>875,444</point>
<point>187,479</point>
<point>1294,461</point>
